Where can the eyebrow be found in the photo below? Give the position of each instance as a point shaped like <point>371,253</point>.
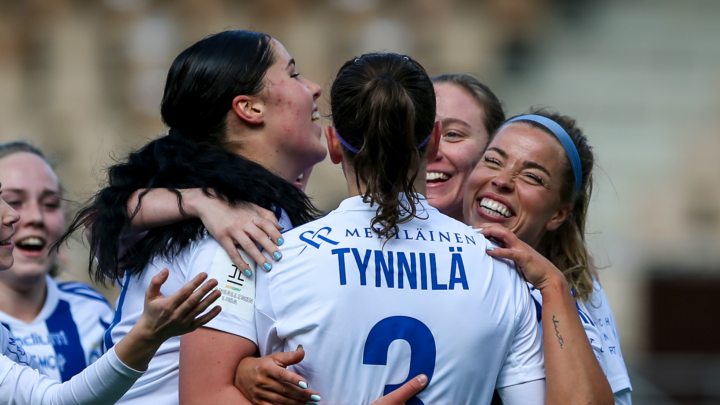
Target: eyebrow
<point>45,192</point>
<point>450,121</point>
<point>526,163</point>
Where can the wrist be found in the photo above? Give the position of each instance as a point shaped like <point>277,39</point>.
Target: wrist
<point>555,282</point>
<point>190,199</point>
<point>141,334</point>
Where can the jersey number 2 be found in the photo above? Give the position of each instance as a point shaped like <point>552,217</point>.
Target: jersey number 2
<point>422,348</point>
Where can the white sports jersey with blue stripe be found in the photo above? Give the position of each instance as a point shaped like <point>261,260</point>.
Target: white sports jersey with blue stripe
<point>67,335</point>
<point>372,315</point>
<point>599,324</point>
<point>159,384</point>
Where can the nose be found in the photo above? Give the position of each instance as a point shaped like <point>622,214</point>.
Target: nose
<point>314,89</point>
<point>439,155</point>
<point>32,214</point>
<point>9,215</point>
<point>504,181</point>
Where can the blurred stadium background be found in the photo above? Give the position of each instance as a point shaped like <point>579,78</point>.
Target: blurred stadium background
<point>83,79</point>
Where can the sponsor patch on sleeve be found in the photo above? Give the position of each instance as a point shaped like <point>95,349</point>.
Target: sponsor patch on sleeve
<point>238,289</point>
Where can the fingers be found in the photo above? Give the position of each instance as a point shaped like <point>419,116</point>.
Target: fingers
<point>229,245</point>
<point>269,215</point>
<point>405,392</point>
<point>153,290</point>
<point>181,296</point>
<point>271,232</point>
<point>289,358</point>
<point>251,249</point>
<point>504,253</point>
<point>198,322</point>
<point>193,306</point>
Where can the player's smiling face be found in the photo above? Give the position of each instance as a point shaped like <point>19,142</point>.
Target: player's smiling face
<point>292,114</point>
<point>518,182</point>
<point>30,186</point>
<point>463,138</point>
<point>8,217</point>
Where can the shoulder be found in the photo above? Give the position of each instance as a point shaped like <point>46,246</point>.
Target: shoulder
<point>76,291</point>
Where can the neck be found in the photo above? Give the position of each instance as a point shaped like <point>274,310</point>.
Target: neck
<point>420,183</point>
<point>268,157</point>
<point>23,301</point>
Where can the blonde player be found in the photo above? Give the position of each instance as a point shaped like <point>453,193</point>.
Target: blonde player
<point>115,372</point>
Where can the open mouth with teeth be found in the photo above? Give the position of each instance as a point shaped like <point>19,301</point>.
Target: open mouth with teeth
<point>315,116</point>
<point>494,208</point>
<point>31,244</point>
<point>6,242</point>
<point>437,177</point>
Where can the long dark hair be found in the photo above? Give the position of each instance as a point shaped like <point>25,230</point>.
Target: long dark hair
<point>201,84</point>
<point>384,106</point>
<point>565,247</point>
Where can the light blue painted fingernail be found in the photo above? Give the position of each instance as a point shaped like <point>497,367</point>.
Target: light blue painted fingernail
<point>281,241</point>
<point>311,403</point>
<point>248,272</point>
<point>490,248</point>
<point>477,229</point>
<point>267,266</point>
<point>315,398</point>
<point>277,255</point>
<point>280,223</point>
<point>303,385</point>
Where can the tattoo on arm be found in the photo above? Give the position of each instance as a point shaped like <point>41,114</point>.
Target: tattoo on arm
<point>557,333</point>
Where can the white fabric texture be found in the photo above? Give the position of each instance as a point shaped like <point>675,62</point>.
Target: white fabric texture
<point>599,324</point>
<point>103,382</point>
<point>159,385</point>
<point>461,317</point>
<point>530,393</point>
<point>66,336</point>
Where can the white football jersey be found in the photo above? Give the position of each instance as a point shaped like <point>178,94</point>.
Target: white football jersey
<point>599,324</point>
<point>67,335</point>
<point>159,384</point>
<point>371,315</point>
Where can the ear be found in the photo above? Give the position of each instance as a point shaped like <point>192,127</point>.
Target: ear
<point>249,109</point>
<point>559,217</point>
<point>333,144</point>
<point>434,142</point>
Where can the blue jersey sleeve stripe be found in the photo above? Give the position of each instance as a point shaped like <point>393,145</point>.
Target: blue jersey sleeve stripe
<point>68,347</point>
<point>118,312</point>
<point>77,287</point>
<point>88,296</point>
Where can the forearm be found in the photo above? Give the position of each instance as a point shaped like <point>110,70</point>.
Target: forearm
<point>160,207</point>
<point>103,382</point>
<point>136,350</point>
<point>573,373</point>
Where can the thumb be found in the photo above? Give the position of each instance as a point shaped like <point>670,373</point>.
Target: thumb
<point>153,290</point>
<point>289,358</point>
<point>404,393</point>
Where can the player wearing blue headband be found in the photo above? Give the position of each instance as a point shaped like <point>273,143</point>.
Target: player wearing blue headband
<point>530,191</point>
<point>385,272</point>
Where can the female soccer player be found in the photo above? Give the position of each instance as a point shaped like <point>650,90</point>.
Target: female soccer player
<point>385,266</point>
<point>469,112</point>
<point>61,325</point>
<point>531,191</point>
<point>107,379</point>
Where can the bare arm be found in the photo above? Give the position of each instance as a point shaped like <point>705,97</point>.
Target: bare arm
<point>574,375</point>
<point>208,360</point>
<point>242,225</point>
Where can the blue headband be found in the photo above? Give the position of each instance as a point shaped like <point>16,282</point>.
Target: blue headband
<point>351,149</point>
<point>564,139</point>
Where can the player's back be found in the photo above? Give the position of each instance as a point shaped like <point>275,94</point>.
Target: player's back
<point>371,315</point>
